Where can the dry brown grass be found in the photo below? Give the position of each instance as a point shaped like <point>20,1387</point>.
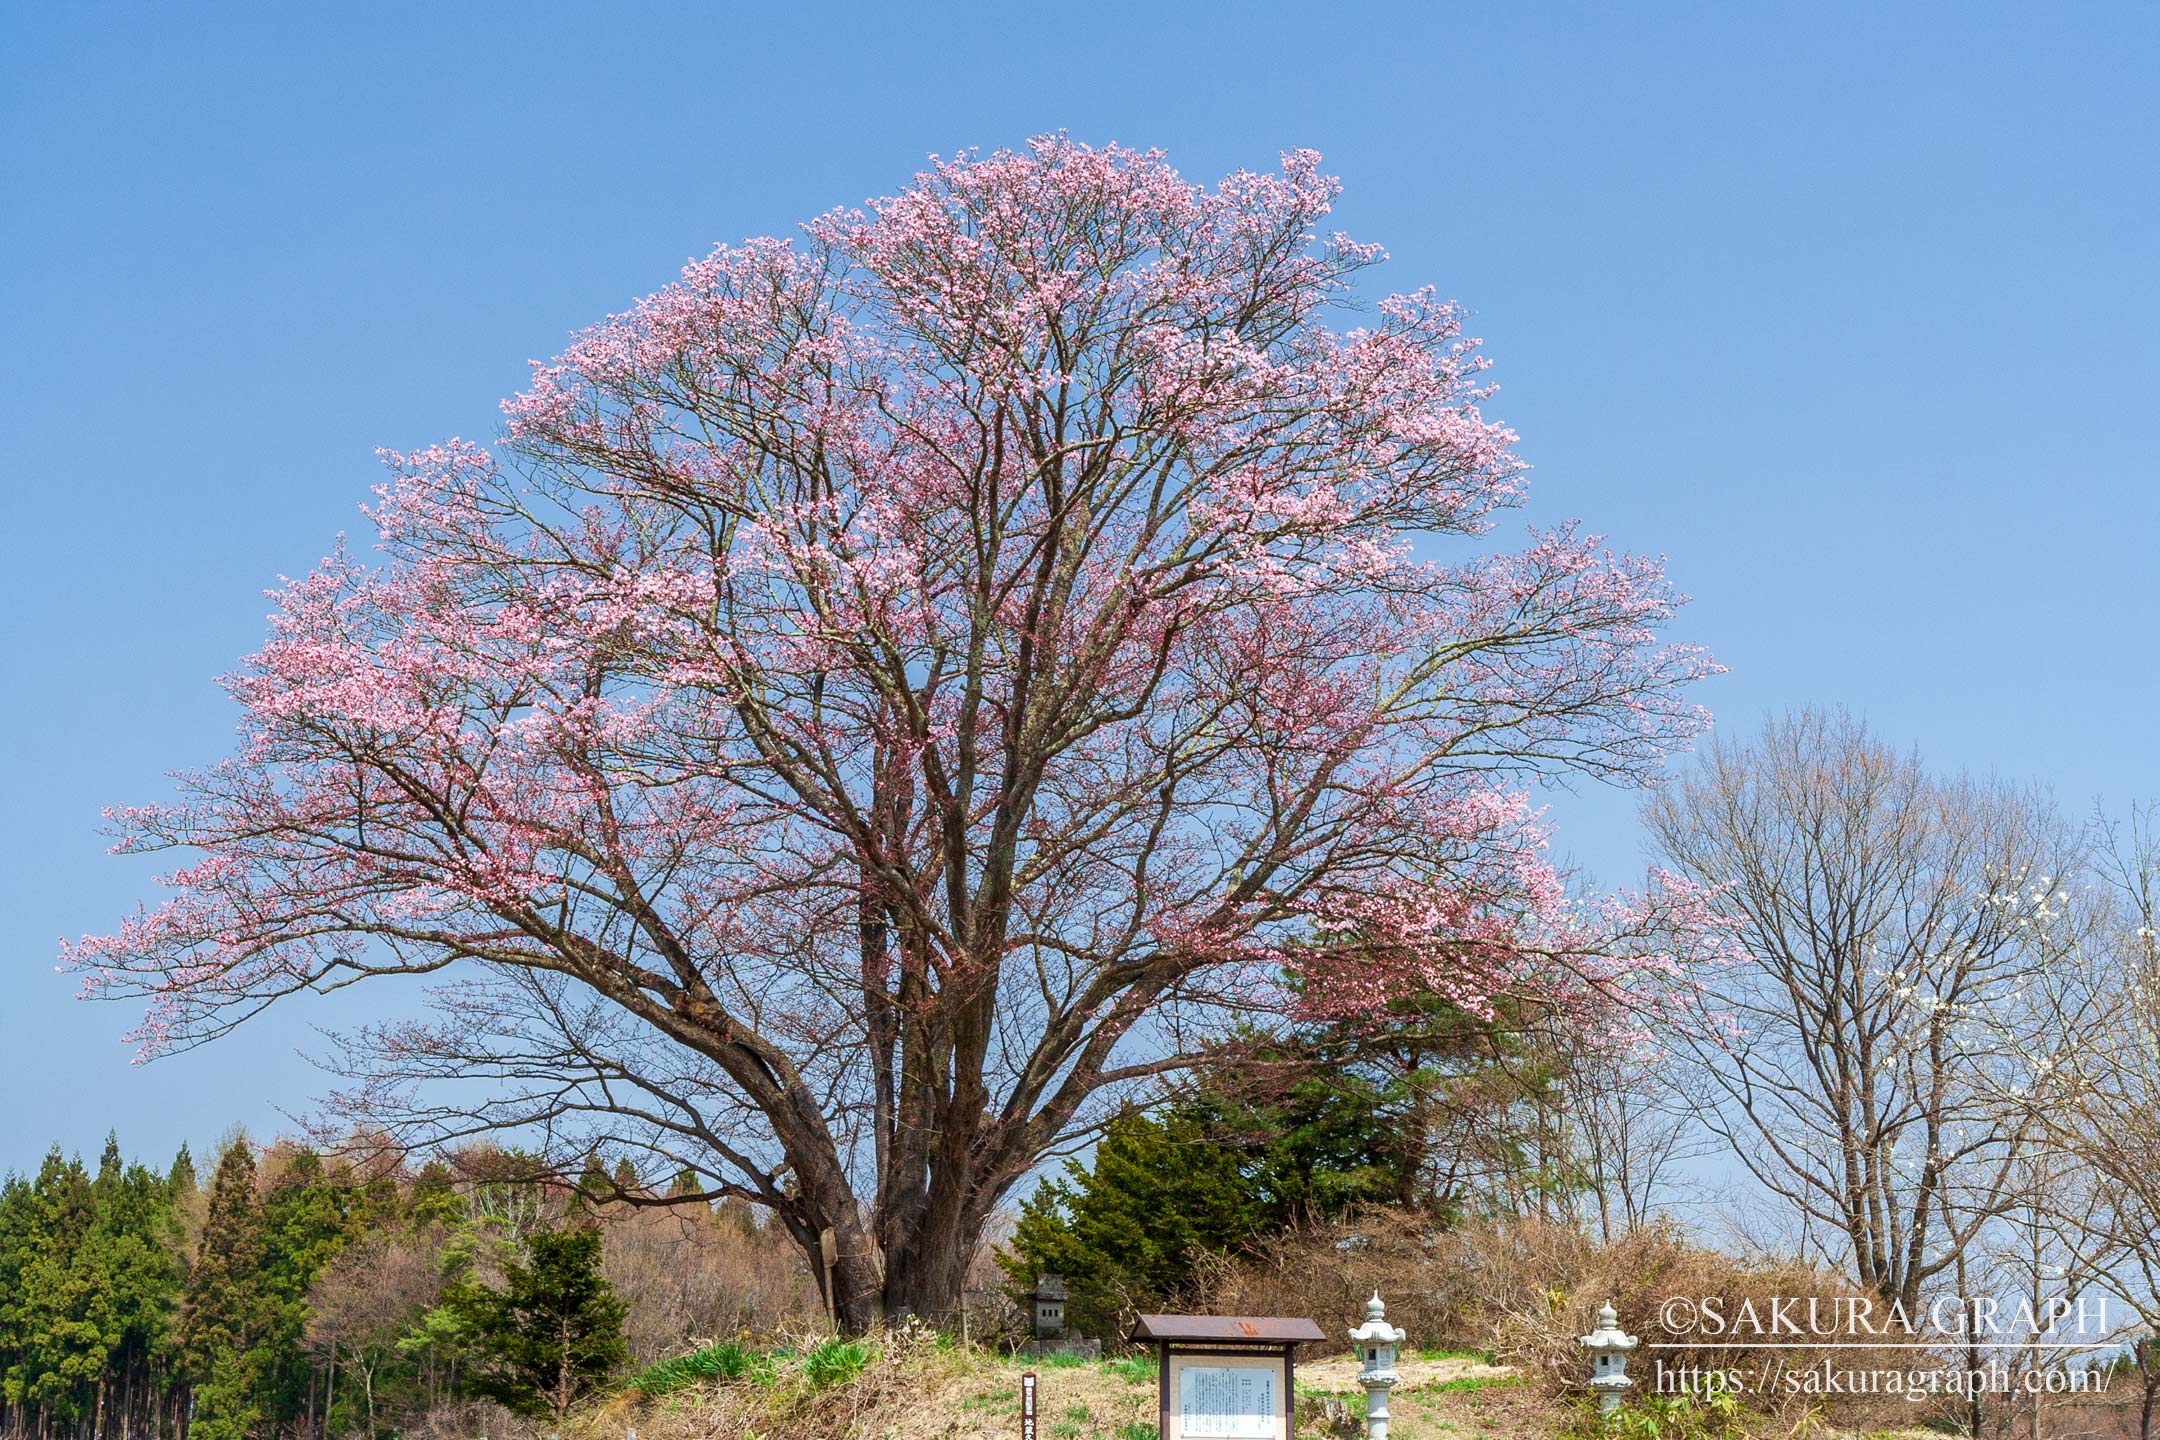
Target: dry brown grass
<point>919,1389</point>
<point>686,1271</point>
<point>1525,1290</point>
<point>1518,1294</point>
<point>915,1388</point>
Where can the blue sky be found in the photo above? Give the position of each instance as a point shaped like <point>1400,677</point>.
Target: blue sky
<point>1848,310</point>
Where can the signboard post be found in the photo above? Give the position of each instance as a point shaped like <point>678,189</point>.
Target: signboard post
<point>1226,1377</point>
<point>1027,1406</point>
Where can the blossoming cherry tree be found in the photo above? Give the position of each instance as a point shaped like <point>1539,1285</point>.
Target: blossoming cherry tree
<point>893,692</point>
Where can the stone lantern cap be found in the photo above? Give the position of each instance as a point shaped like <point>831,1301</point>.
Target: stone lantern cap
<point>1608,1338</point>
<point>1376,1330</point>
<point>1050,1287</point>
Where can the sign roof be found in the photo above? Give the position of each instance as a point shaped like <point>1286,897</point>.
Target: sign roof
<point>1228,1329</point>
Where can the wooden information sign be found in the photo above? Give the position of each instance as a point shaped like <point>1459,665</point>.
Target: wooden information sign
<point>1225,1377</point>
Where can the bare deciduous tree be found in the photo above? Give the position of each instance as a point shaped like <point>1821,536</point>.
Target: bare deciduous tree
<point>2102,1086</point>
<point>1887,923</point>
<point>1635,1131</point>
<point>364,1302</point>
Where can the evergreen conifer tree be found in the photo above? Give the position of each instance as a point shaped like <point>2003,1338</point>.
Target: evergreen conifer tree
<point>223,1314</point>
<point>62,1344</point>
<point>17,1249</point>
<point>180,1179</point>
<point>309,1215</point>
<point>137,1277</point>
<point>553,1332</point>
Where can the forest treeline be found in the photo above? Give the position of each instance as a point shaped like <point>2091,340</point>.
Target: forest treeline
<point>309,1295</point>
<point>296,1294</point>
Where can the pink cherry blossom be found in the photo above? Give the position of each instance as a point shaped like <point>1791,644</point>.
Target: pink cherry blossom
<point>893,692</point>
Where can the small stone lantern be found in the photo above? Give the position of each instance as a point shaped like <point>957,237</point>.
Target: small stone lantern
<point>1609,1345</point>
<point>1376,1341</point>
<point>1049,1309</point>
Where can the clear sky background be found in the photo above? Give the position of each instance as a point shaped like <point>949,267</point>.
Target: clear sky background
<point>1848,310</point>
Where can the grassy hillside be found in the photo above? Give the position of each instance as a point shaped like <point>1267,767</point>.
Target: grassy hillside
<point>915,1386</point>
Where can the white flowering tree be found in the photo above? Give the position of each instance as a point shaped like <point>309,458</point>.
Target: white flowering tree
<point>1891,925</point>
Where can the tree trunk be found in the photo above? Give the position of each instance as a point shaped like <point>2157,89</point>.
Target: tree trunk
<point>1973,1415</point>
<point>927,1278</point>
<point>916,1261</point>
<point>2148,1363</point>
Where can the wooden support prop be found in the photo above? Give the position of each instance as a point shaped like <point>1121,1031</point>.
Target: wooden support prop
<point>829,1252</point>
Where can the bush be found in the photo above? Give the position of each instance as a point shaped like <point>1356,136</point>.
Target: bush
<point>1437,1283</point>
<point>1658,1417</point>
<point>1525,1290</point>
<point>685,1270</point>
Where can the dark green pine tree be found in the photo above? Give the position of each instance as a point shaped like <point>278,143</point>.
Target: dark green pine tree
<point>1126,1232</point>
<point>309,1215</point>
<point>222,1317</point>
<point>18,1247</point>
<point>1289,1132</point>
<point>59,1305</point>
<point>180,1180</point>
<point>554,1331</point>
<point>133,1251</point>
<point>594,1189</point>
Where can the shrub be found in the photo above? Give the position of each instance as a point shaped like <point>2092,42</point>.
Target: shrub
<point>685,1270</point>
<point>1659,1417</point>
<point>1435,1281</point>
<point>1525,1290</point>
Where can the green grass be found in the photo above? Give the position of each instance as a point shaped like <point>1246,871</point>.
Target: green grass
<point>1661,1417</point>
<point>1132,1369</point>
<point>835,1362</point>
<point>1471,1384</point>
<point>725,1363</point>
<point>1136,1430</point>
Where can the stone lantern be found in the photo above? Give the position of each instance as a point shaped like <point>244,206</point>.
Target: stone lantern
<point>1376,1341</point>
<point>1049,1309</point>
<point>1609,1346</point>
